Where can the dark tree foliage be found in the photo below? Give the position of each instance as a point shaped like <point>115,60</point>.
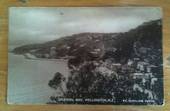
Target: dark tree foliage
<point>56,81</point>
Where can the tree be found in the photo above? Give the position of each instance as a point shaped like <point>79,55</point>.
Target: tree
<point>56,82</point>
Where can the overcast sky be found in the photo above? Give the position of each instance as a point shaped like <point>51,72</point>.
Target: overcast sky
<point>36,25</point>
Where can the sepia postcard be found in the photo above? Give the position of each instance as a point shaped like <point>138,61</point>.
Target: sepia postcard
<point>85,55</point>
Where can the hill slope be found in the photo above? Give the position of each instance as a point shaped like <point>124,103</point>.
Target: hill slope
<point>98,44</point>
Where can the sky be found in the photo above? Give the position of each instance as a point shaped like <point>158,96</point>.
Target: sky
<point>29,25</point>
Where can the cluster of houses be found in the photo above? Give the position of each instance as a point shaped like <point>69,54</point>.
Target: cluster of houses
<point>144,76</point>
<point>51,55</point>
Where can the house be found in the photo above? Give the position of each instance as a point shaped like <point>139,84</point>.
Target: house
<point>53,52</point>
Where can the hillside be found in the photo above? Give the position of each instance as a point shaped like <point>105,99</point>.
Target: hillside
<point>97,44</point>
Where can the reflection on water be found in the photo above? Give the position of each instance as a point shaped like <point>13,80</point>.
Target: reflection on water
<point>28,79</point>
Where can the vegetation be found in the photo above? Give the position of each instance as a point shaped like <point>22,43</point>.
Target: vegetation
<point>116,73</point>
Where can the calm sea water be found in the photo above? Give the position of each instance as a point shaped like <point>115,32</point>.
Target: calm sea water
<point>28,79</point>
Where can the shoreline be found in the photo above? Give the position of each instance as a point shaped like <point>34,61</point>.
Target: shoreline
<point>35,58</point>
